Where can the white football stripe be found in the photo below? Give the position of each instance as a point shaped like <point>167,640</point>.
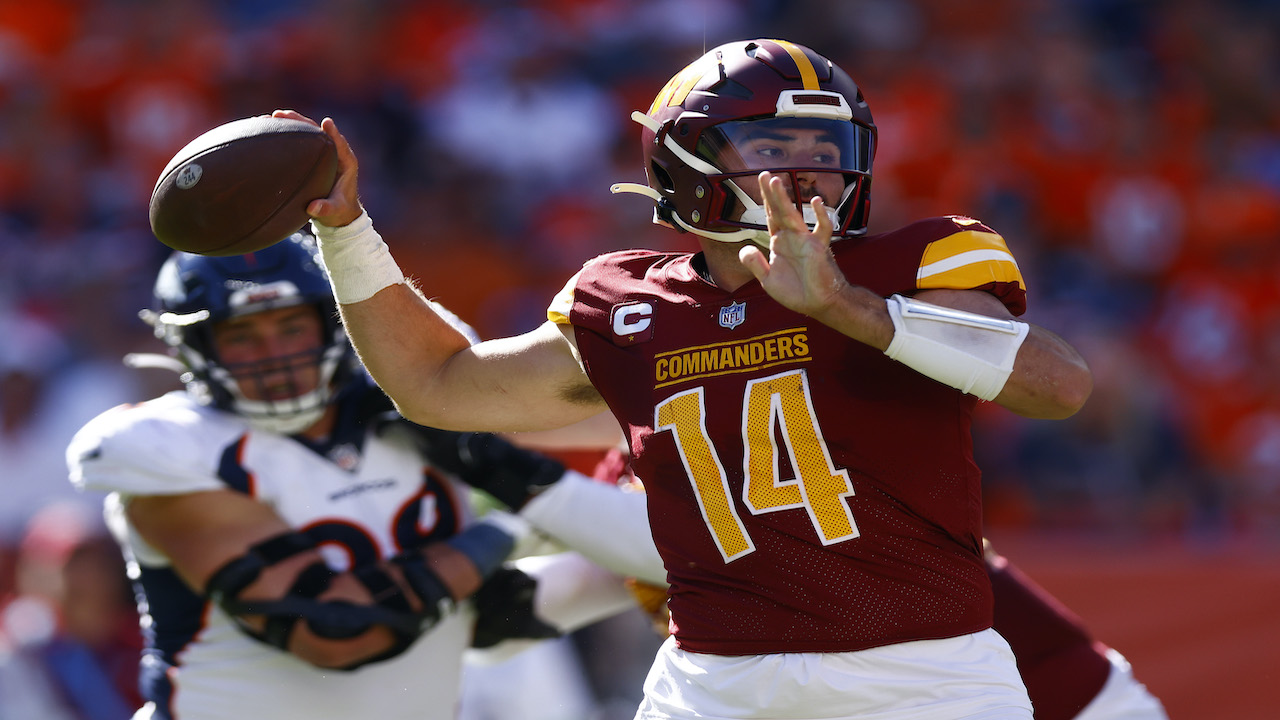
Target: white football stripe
<point>972,257</point>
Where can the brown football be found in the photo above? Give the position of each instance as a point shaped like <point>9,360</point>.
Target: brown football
<point>242,186</point>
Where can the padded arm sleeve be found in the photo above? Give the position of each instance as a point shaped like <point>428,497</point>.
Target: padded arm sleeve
<point>970,352</point>
<point>573,512</point>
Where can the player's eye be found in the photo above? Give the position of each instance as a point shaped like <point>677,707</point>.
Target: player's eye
<point>826,158</point>
<point>299,331</point>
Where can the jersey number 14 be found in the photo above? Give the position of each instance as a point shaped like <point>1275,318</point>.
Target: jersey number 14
<point>782,403</point>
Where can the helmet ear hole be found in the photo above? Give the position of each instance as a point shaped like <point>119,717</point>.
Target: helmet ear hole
<point>661,177</point>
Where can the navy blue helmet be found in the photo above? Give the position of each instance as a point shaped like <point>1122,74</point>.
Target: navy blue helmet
<point>194,292</point>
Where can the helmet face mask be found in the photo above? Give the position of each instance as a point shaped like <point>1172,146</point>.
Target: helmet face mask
<point>199,297</point>
<point>287,391</point>
<point>745,107</point>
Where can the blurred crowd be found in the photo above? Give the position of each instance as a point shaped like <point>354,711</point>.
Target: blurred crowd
<point>1128,150</point>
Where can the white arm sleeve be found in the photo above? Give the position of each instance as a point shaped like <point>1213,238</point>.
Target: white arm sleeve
<point>605,523</point>
<point>574,592</point>
<point>970,352</point>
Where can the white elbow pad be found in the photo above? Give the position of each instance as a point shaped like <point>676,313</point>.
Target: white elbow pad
<point>970,352</point>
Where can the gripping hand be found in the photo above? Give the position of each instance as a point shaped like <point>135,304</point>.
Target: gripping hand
<point>504,610</point>
<point>486,462</point>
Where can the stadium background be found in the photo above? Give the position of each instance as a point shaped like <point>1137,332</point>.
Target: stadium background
<point>1128,150</point>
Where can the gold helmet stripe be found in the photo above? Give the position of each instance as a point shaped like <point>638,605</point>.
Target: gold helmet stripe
<point>808,75</point>
<point>678,87</point>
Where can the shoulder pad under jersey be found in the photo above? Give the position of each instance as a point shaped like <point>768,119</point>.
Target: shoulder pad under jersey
<point>562,303</point>
<point>166,446</point>
<point>951,252</point>
<point>558,310</point>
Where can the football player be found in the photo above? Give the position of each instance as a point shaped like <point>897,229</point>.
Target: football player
<point>798,408</point>
<point>300,550</point>
<point>1069,674</point>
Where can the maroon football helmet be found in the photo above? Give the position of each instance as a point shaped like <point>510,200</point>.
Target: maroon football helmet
<point>750,106</point>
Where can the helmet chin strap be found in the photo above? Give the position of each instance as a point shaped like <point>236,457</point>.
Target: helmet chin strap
<point>257,414</point>
<point>285,417</point>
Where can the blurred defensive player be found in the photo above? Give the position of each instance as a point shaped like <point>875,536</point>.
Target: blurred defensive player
<point>301,551</point>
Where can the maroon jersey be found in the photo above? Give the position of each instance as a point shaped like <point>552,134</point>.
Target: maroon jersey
<point>1063,667</point>
<point>807,493</point>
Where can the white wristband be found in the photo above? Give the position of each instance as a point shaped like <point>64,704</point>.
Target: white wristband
<point>358,262</point>
<point>970,352</point>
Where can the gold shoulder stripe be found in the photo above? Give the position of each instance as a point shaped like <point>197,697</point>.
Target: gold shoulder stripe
<point>967,259</point>
<point>963,241</point>
<point>808,76</point>
<point>562,303</point>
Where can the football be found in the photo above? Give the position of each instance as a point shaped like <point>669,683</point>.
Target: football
<point>242,186</point>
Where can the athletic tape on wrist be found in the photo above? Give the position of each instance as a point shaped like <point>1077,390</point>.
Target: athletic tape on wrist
<point>358,262</point>
<point>970,352</point>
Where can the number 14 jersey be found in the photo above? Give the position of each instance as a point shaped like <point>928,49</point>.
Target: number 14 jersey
<point>807,494</point>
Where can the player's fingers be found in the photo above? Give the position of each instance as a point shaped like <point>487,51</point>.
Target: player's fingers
<point>343,204</point>
<point>754,260</point>
<point>341,208</point>
<point>780,210</point>
<point>346,156</point>
<point>770,189</point>
<point>293,115</point>
<point>823,228</point>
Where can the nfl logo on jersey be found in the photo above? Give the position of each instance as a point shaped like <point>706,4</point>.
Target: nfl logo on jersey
<point>734,315</point>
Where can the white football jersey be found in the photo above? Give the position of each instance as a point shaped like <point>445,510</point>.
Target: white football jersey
<point>363,497</point>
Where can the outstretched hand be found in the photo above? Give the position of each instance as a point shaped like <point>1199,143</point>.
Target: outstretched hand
<point>342,206</point>
<point>799,271</point>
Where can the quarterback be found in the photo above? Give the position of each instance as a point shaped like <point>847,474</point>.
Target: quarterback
<point>797,408</point>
